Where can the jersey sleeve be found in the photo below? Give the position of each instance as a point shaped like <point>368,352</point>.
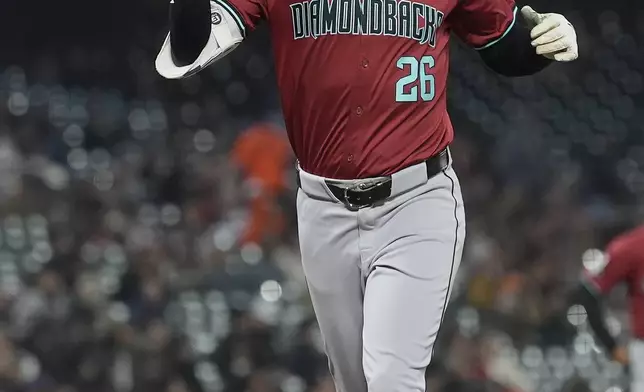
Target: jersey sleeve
<point>482,23</point>
<point>247,13</point>
<point>616,269</point>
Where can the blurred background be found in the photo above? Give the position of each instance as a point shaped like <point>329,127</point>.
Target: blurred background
<point>147,227</point>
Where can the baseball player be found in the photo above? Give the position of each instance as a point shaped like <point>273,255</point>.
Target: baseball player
<point>623,262</point>
<point>380,213</point>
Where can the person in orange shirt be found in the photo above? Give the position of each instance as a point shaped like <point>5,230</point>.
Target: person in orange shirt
<point>262,153</point>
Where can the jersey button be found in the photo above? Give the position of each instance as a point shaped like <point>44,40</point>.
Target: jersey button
<point>365,63</point>
<point>350,158</point>
<point>359,110</point>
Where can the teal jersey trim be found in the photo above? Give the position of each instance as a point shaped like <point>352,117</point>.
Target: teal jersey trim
<point>514,19</point>
<point>238,19</point>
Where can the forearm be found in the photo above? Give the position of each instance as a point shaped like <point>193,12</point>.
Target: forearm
<point>589,300</point>
<point>189,29</point>
<point>201,32</point>
<point>514,54</point>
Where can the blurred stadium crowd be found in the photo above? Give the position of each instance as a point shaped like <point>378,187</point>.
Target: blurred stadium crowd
<point>147,233</point>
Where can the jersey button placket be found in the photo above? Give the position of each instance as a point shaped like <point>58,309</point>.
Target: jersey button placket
<point>355,142</point>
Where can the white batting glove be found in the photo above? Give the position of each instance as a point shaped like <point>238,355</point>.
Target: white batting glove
<point>552,35</point>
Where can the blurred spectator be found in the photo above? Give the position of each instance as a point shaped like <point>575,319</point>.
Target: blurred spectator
<point>263,153</point>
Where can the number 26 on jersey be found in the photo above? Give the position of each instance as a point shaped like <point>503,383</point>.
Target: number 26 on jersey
<point>418,82</point>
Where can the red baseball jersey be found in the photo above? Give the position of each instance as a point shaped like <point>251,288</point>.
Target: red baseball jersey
<point>363,82</point>
<point>625,264</point>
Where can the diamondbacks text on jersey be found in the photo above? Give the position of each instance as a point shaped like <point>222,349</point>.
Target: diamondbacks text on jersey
<point>406,19</point>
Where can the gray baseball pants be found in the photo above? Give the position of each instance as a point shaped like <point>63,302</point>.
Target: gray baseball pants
<point>380,277</point>
<point>636,354</point>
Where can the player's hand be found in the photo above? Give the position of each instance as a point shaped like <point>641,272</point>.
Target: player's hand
<point>552,35</point>
<point>620,354</point>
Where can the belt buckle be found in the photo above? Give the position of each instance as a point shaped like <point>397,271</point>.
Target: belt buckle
<point>358,188</point>
<point>347,202</point>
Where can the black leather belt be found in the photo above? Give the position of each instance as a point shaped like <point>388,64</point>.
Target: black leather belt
<point>367,194</point>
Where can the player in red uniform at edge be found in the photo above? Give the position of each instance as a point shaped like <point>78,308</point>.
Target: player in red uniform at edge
<point>623,263</point>
<point>381,220</point>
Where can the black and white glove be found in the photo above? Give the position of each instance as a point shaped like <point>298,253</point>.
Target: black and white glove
<point>553,36</point>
